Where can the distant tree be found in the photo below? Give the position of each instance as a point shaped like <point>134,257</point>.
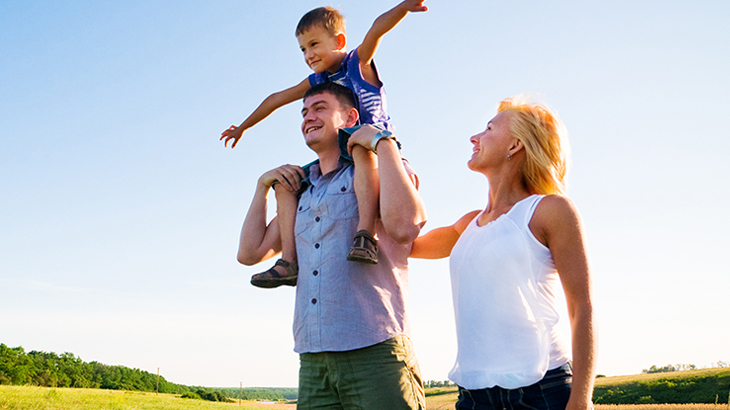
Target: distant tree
<point>669,368</point>
<point>51,370</point>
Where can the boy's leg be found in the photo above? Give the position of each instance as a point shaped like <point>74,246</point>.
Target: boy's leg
<point>367,187</point>
<point>286,211</point>
<point>367,190</point>
<point>285,270</point>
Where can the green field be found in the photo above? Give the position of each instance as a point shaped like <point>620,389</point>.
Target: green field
<point>709,385</point>
<point>49,398</point>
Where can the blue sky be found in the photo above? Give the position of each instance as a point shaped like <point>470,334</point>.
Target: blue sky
<point>120,209</point>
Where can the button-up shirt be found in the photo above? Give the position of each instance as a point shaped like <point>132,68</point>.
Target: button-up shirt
<point>343,305</point>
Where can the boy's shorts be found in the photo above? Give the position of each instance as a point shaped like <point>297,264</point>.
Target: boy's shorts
<point>384,376</point>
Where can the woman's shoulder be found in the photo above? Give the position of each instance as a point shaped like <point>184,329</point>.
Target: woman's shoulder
<point>555,204</point>
<point>553,213</point>
<point>463,222</point>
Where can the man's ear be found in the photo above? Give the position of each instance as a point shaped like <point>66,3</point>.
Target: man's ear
<point>341,41</point>
<point>352,116</point>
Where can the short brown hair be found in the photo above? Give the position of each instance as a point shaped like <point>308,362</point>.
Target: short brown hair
<point>327,17</point>
<point>343,94</point>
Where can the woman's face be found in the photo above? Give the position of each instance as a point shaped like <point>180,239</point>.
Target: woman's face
<point>491,145</point>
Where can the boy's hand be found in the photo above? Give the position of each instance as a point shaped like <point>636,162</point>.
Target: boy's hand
<point>415,5</point>
<point>233,133</point>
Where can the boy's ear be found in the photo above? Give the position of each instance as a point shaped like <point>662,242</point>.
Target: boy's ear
<point>341,41</point>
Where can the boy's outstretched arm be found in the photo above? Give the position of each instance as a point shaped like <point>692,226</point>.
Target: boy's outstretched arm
<point>383,24</point>
<point>269,105</point>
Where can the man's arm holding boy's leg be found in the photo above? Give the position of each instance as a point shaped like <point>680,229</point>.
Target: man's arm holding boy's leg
<point>260,241</point>
<point>269,105</point>
<point>401,207</point>
<point>383,24</point>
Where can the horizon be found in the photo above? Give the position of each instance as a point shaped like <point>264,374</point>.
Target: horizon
<point>678,367</point>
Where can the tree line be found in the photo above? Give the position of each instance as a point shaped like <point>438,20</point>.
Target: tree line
<point>260,393</point>
<point>679,367</point>
<point>66,370</point>
<point>437,383</point>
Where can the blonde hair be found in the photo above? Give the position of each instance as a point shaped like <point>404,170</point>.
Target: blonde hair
<point>328,18</point>
<point>546,145</point>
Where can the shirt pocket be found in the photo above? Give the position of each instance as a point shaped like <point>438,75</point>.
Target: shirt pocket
<point>304,217</point>
<point>341,200</point>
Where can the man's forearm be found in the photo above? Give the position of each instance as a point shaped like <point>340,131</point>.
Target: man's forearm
<point>254,230</point>
<point>401,208</point>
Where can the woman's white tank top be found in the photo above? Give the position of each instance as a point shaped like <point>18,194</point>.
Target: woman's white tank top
<point>504,286</point>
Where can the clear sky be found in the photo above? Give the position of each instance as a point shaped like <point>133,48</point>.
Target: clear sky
<point>120,210</point>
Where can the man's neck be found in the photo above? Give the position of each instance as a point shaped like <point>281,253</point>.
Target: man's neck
<point>328,161</point>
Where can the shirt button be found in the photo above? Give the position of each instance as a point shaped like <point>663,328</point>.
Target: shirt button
<point>316,246</point>
<point>315,273</point>
<point>314,301</point>
<point>343,189</point>
<point>300,208</point>
<point>316,219</point>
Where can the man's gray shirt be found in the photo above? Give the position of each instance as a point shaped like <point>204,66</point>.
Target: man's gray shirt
<point>343,305</point>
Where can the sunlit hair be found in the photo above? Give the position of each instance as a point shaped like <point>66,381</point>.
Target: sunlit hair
<point>326,17</point>
<point>546,145</point>
<point>343,94</point>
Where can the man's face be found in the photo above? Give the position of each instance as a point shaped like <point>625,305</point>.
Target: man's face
<point>322,116</point>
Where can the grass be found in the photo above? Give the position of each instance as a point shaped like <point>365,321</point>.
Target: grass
<point>46,398</point>
<point>635,378</point>
<point>660,407</point>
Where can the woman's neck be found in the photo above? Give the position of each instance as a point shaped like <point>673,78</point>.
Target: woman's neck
<point>504,192</point>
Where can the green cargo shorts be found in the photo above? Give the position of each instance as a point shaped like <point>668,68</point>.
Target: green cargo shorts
<point>384,376</point>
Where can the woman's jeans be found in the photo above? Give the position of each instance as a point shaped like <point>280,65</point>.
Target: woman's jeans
<point>550,393</point>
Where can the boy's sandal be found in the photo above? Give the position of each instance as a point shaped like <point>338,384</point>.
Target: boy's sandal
<point>364,248</point>
<point>272,279</point>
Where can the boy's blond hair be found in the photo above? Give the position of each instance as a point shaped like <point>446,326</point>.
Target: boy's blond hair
<point>326,17</point>
<point>546,145</point>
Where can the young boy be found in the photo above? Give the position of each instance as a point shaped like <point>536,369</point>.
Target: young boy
<point>322,39</point>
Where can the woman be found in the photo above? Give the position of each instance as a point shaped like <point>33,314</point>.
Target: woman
<point>507,264</point>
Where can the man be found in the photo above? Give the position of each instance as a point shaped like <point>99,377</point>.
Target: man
<point>350,321</point>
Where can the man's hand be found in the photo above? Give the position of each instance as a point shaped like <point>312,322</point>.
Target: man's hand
<point>233,133</point>
<point>363,136</point>
<point>288,176</point>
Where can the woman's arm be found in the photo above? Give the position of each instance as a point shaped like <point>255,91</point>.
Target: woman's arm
<point>557,225</point>
<point>439,242</point>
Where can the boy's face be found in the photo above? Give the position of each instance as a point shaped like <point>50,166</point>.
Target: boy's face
<point>322,51</point>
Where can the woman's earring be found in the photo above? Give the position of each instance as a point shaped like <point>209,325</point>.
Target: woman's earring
<point>509,158</point>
